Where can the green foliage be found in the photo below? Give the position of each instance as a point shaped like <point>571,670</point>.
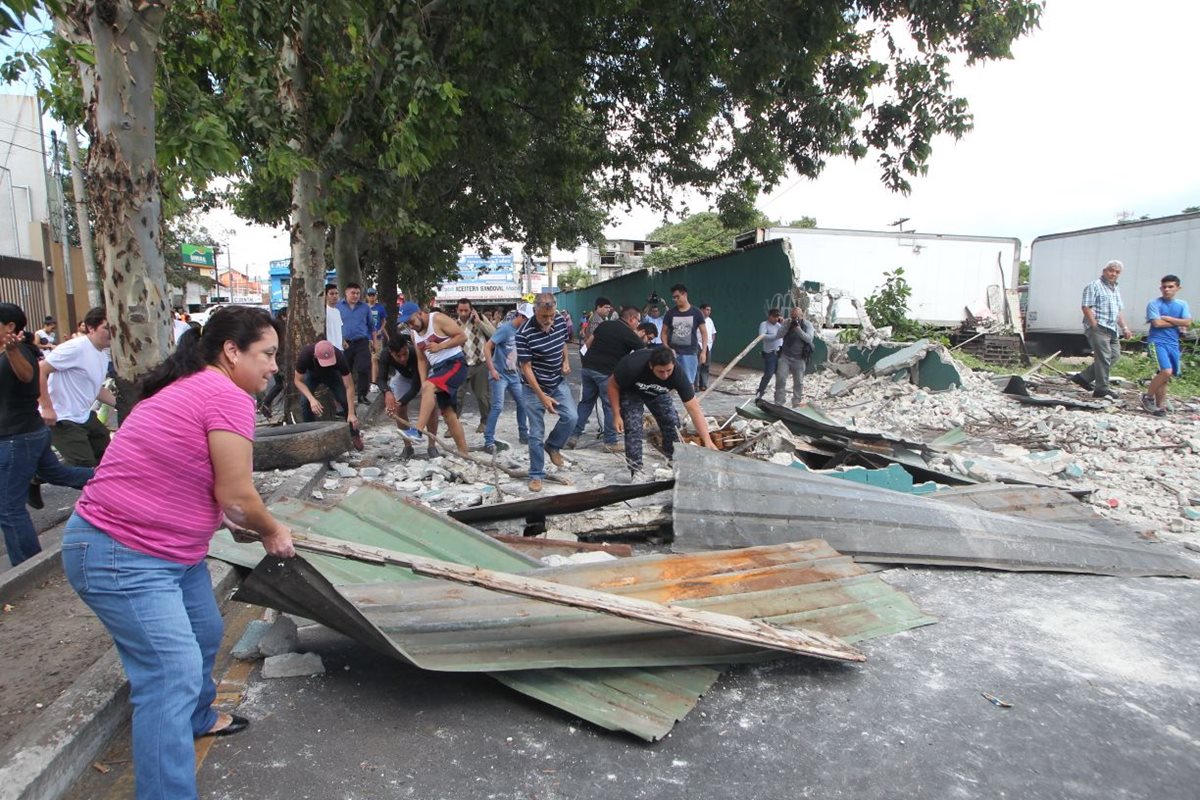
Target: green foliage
<point>701,235</point>
<point>1023,272</point>
<point>803,222</point>
<point>576,277</point>
<point>1190,210</point>
<point>889,306</point>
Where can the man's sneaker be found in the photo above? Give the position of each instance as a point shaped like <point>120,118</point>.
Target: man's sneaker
<point>481,427</point>
<point>535,485</point>
<point>414,434</point>
<point>1079,380</point>
<point>555,456</point>
<point>1149,403</point>
<point>501,446</point>
<point>615,447</point>
<point>572,443</point>
<point>35,496</point>
<point>432,450</point>
<point>522,440</point>
<point>407,452</point>
<point>1108,394</point>
<point>490,448</point>
<point>1159,412</point>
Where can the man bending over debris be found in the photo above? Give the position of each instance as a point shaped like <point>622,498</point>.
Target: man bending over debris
<point>610,342</point>
<point>443,367</point>
<point>1103,315</point>
<point>322,364</point>
<point>645,379</point>
<point>399,381</point>
<point>1168,317</point>
<point>542,358</point>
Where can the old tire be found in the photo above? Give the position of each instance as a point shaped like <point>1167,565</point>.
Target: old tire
<point>290,446</point>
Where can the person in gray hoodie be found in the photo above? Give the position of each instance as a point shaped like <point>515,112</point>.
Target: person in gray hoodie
<point>793,356</point>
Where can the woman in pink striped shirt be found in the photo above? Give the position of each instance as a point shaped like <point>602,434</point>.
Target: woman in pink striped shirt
<point>134,548</point>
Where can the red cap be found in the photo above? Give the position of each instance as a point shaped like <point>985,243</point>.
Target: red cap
<point>325,353</point>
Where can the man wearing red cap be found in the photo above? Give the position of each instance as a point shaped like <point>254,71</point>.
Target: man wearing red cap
<point>322,364</point>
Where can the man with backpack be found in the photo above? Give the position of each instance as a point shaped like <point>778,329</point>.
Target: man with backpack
<point>793,356</point>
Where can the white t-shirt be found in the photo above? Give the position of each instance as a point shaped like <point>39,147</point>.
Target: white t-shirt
<point>333,326</point>
<point>711,327</point>
<point>79,373</point>
<point>179,329</point>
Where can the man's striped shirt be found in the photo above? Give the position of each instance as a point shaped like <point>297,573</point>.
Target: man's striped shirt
<point>544,350</point>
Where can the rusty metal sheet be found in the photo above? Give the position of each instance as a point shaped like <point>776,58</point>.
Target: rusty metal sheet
<point>727,501</point>
<point>523,643</point>
<point>539,508</point>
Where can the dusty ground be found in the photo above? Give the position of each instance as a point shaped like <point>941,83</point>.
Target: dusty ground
<point>49,638</point>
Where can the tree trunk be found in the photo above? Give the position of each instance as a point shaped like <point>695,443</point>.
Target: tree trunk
<point>347,238</point>
<point>306,304</point>
<point>118,95</point>
<point>95,288</point>
<point>386,283</point>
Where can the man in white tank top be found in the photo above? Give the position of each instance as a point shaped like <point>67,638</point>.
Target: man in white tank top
<point>443,366</point>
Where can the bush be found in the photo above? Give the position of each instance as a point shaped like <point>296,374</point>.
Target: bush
<point>889,306</point>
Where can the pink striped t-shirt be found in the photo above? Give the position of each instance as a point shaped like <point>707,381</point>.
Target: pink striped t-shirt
<point>153,490</point>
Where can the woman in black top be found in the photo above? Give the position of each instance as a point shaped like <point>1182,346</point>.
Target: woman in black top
<point>24,438</point>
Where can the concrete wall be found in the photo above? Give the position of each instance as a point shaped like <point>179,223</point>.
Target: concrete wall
<point>22,176</point>
<point>740,286</point>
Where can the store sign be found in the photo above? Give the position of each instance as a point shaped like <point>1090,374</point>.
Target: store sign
<point>198,255</point>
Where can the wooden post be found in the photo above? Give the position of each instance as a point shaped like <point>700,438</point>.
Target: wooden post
<point>731,365</point>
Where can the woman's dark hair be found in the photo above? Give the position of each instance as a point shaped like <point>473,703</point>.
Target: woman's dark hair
<point>11,312</point>
<point>660,357</point>
<point>195,350</point>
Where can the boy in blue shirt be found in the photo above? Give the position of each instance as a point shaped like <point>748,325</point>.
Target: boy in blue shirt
<point>1168,317</point>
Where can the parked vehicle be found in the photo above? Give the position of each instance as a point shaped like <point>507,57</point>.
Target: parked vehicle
<point>947,274</point>
<point>1061,264</point>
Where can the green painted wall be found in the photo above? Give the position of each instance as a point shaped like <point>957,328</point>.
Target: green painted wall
<point>740,286</point>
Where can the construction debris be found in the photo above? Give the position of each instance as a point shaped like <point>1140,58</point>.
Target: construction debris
<point>293,665</point>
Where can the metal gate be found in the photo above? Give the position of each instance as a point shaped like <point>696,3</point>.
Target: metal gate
<point>24,282</point>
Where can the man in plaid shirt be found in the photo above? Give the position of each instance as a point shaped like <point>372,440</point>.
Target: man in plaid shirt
<point>478,331</point>
<point>1103,317</point>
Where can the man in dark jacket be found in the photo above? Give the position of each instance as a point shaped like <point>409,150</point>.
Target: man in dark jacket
<point>608,343</point>
<point>793,356</point>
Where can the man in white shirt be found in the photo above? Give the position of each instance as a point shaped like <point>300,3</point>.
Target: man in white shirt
<point>333,317</point>
<point>72,379</point>
<point>772,332</point>
<point>711,327</point>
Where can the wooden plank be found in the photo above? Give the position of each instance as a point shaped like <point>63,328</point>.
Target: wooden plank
<point>736,360</point>
<point>704,623</point>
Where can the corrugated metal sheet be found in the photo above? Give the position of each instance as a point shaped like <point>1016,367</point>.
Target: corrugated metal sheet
<point>727,501</point>
<point>522,643</point>
<point>567,503</point>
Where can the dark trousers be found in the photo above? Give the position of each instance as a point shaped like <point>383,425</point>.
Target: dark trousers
<point>358,353</point>
<point>81,445</point>
<point>633,407</point>
<point>477,383</point>
<point>770,364</point>
<point>336,387</point>
<point>702,375</point>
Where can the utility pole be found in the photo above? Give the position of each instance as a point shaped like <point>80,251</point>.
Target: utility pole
<point>94,288</point>
<point>68,279</point>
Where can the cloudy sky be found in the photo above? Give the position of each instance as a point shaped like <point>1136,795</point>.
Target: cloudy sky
<point>1096,115</point>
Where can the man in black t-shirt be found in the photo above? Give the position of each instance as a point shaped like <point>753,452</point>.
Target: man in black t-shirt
<point>607,344</point>
<point>645,379</point>
<point>322,364</point>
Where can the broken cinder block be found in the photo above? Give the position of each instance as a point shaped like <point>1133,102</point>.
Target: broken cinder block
<point>293,665</point>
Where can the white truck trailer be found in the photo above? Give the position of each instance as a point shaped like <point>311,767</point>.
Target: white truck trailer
<point>1061,264</point>
<point>948,274</point>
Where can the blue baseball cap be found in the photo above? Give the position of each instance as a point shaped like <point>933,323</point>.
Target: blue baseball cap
<point>406,311</point>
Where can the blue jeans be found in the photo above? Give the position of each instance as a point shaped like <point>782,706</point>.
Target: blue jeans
<point>165,622</point>
<point>770,364</point>
<point>595,385</point>
<point>536,413</point>
<point>509,383</point>
<point>22,457</point>
<point>690,364</point>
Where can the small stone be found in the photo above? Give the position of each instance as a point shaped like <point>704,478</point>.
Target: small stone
<point>599,478</point>
<point>663,474</point>
<point>317,495</point>
<point>783,459</point>
<point>345,470</point>
<point>293,665</point>
<point>246,648</point>
<point>1073,470</point>
<point>1191,513</point>
<point>466,500</point>
<point>370,472</point>
<point>331,483</point>
<point>281,638</point>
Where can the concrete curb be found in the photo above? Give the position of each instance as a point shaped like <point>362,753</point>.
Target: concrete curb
<point>300,484</point>
<point>29,573</point>
<point>44,760</point>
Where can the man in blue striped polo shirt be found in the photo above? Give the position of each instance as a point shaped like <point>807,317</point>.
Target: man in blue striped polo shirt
<point>542,358</point>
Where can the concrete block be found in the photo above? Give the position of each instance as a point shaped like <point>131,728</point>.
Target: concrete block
<point>281,638</point>
<point>293,665</point>
<point>370,472</point>
<point>246,648</point>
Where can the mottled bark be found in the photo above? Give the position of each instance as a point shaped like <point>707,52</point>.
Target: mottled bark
<point>122,178</point>
<point>386,283</point>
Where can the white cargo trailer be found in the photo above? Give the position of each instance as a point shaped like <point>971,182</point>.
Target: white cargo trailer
<point>948,274</point>
<point>1061,264</point>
